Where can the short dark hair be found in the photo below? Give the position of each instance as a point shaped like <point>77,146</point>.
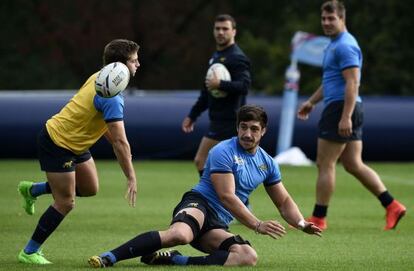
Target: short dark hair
<point>226,17</point>
<point>251,112</point>
<point>334,6</point>
<point>119,50</point>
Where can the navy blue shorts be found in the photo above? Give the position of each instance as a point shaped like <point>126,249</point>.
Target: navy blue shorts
<point>194,199</point>
<point>221,130</point>
<point>53,158</point>
<point>331,115</point>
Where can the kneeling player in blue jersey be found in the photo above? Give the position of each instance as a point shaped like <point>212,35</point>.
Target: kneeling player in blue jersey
<point>234,168</point>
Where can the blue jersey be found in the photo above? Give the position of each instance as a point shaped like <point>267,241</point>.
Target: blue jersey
<point>249,170</point>
<point>342,53</point>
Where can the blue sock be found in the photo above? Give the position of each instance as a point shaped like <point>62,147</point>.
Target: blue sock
<point>40,189</point>
<point>110,256</point>
<point>180,259</point>
<point>32,247</point>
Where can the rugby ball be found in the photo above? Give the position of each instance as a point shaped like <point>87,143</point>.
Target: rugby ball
<point>112,80</point>
<point>223,74</point>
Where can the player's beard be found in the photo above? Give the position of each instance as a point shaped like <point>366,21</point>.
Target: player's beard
<point>223,42</point>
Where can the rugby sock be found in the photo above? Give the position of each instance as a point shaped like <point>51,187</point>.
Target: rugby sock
<point>200,172</point>
<point>48,222</point>
<point>110,256</point>
<point>216,258</point>
<point>142,244</point>
<point>32,247</point>
<point>320,211</point>
<point>40,189</point>
<point>385,198</point>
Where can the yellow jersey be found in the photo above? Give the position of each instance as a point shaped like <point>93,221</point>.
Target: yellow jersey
<point>83,119</point>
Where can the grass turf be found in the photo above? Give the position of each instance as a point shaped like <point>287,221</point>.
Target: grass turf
<point>354,240</point>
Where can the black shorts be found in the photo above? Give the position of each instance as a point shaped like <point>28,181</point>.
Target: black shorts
<point>194,199</point>
<point>331,115</point>
<point>53,158</point>
<point>221,130</point>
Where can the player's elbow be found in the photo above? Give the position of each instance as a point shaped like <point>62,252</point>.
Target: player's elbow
<point>227,199</point>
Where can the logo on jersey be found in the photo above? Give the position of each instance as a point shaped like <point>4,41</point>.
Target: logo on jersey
<point>222,59</point>
<point>238,161</point>
<point>263,167</point>
<point>67,164</point>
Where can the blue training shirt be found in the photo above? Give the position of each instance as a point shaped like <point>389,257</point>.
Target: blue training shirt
<point>249,170</point>
<point>342,53</point>
<point>111,108</point>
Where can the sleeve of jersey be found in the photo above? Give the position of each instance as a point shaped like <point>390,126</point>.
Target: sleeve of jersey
<point>220,160</point>
<point>348,56</point>
<point>111,108</point>
<point>239,68</point>
<point>274,176</point>
<point>200,106</point>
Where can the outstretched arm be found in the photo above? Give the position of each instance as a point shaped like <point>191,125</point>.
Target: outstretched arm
<point>122,151</point>
<point>289,210</point>
<point>225,187</point>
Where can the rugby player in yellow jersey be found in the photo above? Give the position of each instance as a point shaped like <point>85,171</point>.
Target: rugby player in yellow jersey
<point>63,147</point>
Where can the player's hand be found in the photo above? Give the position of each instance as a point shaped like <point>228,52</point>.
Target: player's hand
<point>213,82</point>
<point>311,228</point>
<point>304,110</point>
<point>345,127</point>
<point>131,193</point>
<point>188,125</point>
<point>272,228</point>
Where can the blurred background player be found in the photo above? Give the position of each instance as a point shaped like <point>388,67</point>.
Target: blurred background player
<point>223,104</point>
<point>340,126</point>
<point>234,169</point>
<point>63,147</point>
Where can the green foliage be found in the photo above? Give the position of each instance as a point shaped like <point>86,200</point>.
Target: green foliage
<point>58,44</point>
<point>354,240</point>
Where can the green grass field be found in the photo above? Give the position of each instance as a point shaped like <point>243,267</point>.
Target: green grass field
<point>354,241</point>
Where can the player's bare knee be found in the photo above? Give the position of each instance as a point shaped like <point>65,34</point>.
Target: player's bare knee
<point>65,206</point>
<point>246,254</point>
<point>178,237</point>
<point>351,167</point>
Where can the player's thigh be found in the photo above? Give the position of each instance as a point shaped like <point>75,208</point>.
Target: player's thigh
<point>62,185</point>
<point>351,157</point>
<point>87,182</point>
<point>205,145</point>
<point>328,151</point>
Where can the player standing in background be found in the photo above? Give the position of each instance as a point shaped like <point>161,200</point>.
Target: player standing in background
<point>340,126</point>
<point>63,149</point>
<point>223,104</point>
<point>234,169</point>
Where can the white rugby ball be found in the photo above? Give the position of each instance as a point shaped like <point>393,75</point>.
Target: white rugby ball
<point>222,74</point>
<point>112,80</point>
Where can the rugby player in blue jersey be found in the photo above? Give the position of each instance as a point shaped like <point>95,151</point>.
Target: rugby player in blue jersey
<point>340,126</point>
<point>63,148</point>
<point>221,98</point>
<point>234,169</point>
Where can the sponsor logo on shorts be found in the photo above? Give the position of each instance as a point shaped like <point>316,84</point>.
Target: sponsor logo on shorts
<point>67,164</point>
<point>192,204</point>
